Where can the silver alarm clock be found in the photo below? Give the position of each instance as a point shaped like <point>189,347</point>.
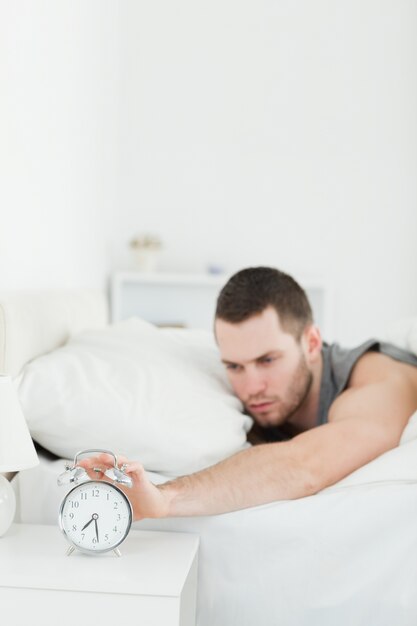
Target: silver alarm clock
<point>95,515</point>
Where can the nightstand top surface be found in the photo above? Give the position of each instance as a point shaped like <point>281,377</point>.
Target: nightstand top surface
<point>153,563</point>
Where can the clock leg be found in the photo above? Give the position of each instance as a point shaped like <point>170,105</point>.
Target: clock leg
<point>70,550</point>
<point>117,552</point>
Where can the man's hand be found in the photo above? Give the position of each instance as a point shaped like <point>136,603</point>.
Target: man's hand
<point>146,499</point>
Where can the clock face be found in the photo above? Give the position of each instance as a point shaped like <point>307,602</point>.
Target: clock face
<point>95,516</point>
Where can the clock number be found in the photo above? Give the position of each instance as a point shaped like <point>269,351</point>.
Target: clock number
<point>96,493</point>
<point>106,537</point>
<point>94,540</point>
<point>74,505</point>
<point>118,517</point>
<point>71,515</point>
<point>83,496</point>
<point>74,527</point>
<point>116,505</point>
<point>82,535</point>
<point>115,529</point>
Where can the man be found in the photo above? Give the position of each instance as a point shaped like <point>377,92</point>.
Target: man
<point>323,411</point>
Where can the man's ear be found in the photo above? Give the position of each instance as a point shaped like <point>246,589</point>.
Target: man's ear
<point>312,343</point>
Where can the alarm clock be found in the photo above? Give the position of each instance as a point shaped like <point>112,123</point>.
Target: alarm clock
<point>95,515</point>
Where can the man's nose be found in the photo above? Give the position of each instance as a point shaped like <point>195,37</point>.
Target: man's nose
<point>255,384</point>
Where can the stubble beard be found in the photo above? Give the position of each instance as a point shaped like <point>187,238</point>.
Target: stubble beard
<point>297,393</point>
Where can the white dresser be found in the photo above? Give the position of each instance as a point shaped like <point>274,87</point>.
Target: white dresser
<point>189,300</point>
<point>153,583</point>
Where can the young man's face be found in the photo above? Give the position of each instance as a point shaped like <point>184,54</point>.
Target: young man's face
<point>266,366</point>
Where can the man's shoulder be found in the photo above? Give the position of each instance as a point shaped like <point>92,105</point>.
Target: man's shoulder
<point>370,362</point>
<point>378,389</point>
<point>370,368</point>
<point>375,366</point>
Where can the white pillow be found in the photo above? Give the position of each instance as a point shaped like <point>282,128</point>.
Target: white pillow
<point>158,396</point>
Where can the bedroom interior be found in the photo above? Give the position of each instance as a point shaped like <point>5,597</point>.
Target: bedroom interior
<point>263,133</point>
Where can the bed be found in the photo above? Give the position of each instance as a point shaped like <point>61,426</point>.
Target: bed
<point>344,556</point>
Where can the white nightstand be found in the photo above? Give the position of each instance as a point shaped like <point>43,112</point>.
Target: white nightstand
<point>152,584</point>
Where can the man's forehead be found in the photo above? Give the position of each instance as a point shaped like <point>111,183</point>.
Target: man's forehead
<point>252,338</point>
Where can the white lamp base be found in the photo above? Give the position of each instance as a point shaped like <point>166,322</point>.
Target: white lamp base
<point>7,505</point>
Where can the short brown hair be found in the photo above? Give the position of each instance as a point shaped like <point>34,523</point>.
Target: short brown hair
<point>250,291</point>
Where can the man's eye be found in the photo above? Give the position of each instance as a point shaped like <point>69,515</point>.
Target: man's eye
<point>267,359</point>
<point>232,367</point>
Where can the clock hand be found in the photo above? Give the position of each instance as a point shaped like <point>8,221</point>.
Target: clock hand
<point>95,521</point>
<point>87,524</point>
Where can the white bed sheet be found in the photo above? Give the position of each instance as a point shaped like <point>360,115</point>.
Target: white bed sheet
<point>346,556</point>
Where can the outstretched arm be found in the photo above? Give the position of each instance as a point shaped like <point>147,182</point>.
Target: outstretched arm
<point>254,476</point>
<point>366,422</point>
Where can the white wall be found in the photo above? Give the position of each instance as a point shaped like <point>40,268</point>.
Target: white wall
<point>278,132</point>
<point>242,132</point>
<point>59,124</point>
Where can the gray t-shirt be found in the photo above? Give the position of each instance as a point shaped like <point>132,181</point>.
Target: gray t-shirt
<point>337,366</point>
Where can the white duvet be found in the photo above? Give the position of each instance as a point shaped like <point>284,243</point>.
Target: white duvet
<point>344,557</point>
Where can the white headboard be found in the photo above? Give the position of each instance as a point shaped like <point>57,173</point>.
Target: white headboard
<point>33,323</point>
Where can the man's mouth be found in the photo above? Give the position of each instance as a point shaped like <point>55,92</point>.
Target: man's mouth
<point>260,407</point>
